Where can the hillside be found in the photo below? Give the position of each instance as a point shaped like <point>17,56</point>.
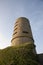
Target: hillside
<point>19,55</point>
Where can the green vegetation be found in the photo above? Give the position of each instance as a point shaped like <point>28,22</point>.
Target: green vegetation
<point>19,55</point>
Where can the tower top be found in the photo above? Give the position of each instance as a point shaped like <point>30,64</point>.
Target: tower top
<point>22,18</point>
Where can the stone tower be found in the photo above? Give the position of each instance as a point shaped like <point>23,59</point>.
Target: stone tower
<point>22,32</point>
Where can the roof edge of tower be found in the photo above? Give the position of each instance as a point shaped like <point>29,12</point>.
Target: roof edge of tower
<point>22,18</point>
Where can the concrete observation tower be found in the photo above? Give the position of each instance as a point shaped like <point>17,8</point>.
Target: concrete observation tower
<point>22,32</point>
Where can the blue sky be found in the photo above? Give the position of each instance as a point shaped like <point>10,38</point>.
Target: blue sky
<point>10,10</point>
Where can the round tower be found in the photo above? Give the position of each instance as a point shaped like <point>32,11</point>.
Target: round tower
<point>22,32</point>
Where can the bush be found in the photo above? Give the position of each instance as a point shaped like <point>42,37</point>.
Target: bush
<point>20,55</point>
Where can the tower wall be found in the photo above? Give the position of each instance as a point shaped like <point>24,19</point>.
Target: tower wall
<point>22,32</point>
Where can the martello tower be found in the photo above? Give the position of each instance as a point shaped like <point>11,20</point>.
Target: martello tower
<point>22,32</point>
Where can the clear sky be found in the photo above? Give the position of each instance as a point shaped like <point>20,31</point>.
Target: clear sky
<point>10,10</point>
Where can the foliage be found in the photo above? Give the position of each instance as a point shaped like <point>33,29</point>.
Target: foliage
<point>20,55</point>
